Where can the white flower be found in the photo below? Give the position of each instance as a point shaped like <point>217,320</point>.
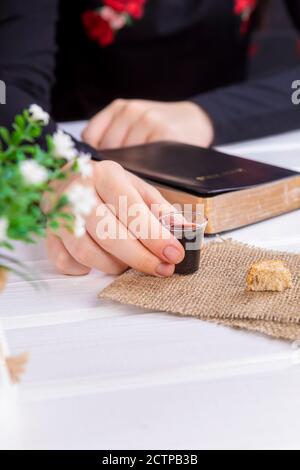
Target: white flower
<point>39,115</point>
<point>3,228</point>
<point>79,226</point>
<point>82,199</point>
<point>64,146</point>
<point>33,173</point>
<point>84,164</point>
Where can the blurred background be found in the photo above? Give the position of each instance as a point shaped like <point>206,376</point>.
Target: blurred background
<point>277,46</point>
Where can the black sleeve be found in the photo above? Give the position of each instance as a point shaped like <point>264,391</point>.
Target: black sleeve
<point>256,108</point>
<point>294,10</point>
<point>27,57</point>
<point>27,54</point>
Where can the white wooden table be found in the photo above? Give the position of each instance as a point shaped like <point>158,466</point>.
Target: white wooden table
<point>105,376</point>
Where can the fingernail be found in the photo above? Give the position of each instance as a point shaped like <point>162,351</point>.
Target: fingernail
<point>172,254</point>
<point>165,270</point>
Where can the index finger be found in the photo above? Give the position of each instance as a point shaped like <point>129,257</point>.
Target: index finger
<point>117,190</point>
<point>98,125</point>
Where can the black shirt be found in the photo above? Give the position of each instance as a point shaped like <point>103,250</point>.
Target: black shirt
<point>179,50</point>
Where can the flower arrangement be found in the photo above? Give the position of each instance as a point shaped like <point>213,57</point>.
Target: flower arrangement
<point>103,23</point>
<point>27,175</point>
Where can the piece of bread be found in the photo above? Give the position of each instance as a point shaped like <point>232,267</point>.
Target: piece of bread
<point>269,275</point>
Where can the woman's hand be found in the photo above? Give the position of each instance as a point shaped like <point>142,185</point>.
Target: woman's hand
<point>123,245</point>
<point>124,123</point>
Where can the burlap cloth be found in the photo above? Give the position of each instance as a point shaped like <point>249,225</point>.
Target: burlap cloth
<point>218,292</point>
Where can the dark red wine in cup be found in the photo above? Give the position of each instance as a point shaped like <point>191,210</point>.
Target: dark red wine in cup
<point>190,236</point>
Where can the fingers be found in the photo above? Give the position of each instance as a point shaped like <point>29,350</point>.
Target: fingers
<point>125,247</point>
<point>127,118</point>
<point>142,130</point>
<point>87,253</point>
<point>135,214</point>
<point>76,256</point>
<point>160,135</point>
<point>137,240</point>
<point>112,255</point>
<point>100,123</point>
<point>152,197</point>
<point>134,122</point>
<point>125,123</point>
<point>62,260</point>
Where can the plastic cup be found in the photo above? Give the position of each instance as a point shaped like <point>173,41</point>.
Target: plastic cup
<point>188,228</point>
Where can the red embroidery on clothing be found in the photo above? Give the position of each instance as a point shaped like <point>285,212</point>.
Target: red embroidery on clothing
<point>244,9</point>
<point>102,24</point>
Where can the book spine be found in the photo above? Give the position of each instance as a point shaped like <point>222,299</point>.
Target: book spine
<point>241,208</point>
<point>234,210</point>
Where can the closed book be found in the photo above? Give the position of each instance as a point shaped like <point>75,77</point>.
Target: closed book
<point>234,191</point>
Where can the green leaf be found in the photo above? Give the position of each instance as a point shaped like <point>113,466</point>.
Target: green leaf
<point>29,149</point>
<point>26,115</point>
<point>6,245</point>
<point>66,216</point>
<point>62,202</point>
<point>54,225</point>
<point>4,134</point>
<point>50,144</point>
<point>20,121</point>
<point>36,131</point>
